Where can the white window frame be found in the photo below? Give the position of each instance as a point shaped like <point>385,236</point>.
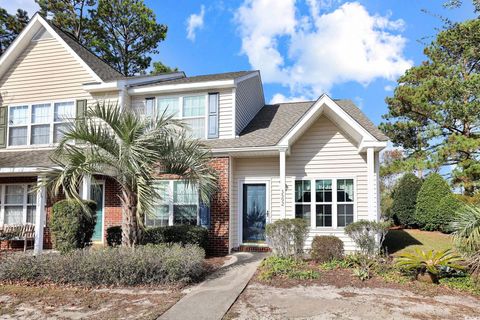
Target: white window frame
<point>24,203</point>
<point>171,203</point>
<point>180,111</point>
<point>29,123</point>
<point>334,203</point>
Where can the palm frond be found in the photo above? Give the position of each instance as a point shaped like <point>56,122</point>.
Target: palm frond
<point>466,227</point>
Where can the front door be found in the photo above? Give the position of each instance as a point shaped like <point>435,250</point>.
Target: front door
<point>254,212</point>
<point>97,196</point>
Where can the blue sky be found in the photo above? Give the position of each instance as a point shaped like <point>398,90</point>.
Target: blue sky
<point>303,48</point>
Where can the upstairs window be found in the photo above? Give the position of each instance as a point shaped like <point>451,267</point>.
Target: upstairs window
<point>39,124</point>
<point>191,109</point>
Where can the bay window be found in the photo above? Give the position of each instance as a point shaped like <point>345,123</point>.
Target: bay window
<point>39,124</point>
<point>331,205</point>
<point>178,203</point>
<point>18,204</point>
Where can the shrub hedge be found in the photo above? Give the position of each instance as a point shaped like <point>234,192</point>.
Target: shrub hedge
<point>428,212</point>
<point>114,236</point>
<point>448,207</point>
<point>287,237</point>
<point>183,234</point>
<point>405,199</point>
<point>368,235</point>
<point>72,225</point>
<point>326,249</point>
<point>118,266</point>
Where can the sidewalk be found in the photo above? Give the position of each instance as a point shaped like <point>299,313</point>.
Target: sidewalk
<point>212,298</point>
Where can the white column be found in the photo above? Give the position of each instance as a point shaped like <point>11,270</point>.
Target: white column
<point>372,199</point>
<point>283,210</point>
<point>85,188</point>
<point>39,216</point>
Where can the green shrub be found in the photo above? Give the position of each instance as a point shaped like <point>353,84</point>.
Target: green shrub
<point>114,236</point>
<point>428,213</point>
<point>289,268</point>
<point>326,248</point>
<point>404,199</point>
<point>72,225</point>
<point>431,262</point>
<point>368,235</point>
<point>448,207</point>
<point>183,234</point>
<point>363,265</point>
<point>118,266</point>
<point>287,237</point>
<point>463,283</point>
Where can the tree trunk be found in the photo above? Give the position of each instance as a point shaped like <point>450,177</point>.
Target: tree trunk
<point>130,228</point>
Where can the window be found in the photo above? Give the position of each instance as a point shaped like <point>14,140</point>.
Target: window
<point>344,202</point>
<point>330,208</point>
<point>39,124</point>
<point>303,199</point>
<point>323,200</point>
<point>18,204</point>
<point>178,204</point>
<point>191,109</point>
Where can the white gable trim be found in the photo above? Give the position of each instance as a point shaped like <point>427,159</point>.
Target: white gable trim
<point>316,110</point>
<point>22,41</point>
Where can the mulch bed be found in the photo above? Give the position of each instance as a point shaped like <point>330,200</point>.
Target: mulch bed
<point>341,278</point>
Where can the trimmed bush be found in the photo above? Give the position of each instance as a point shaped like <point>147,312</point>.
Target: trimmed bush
<point>114,236</point>
<point>364,233</point>
<point>287,237</point>
<point>326,249</point>
<point>72,225</point>
<point>405,199</point>
<point>117,266</point>
<point>448,207</point>
<point>183,234</point>
<point>428,212</point>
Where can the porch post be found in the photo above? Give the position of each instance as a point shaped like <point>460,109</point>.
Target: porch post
<point>372,199</point>
<point>86,187</point>
<point>39,216</point>
<point>283,210</point>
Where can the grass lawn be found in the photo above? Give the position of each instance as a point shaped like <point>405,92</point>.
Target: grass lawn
<point>405,240</point>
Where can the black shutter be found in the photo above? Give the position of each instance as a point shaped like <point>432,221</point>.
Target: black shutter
<point>213,115</point>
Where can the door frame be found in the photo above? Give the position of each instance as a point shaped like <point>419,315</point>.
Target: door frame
<point>241,182</point>
<point>102,183</point>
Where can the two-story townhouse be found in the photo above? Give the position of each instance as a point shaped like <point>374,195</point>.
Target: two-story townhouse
<point>317,160</point>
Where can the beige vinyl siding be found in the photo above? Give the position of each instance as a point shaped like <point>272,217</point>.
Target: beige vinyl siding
<point>225,120</point>
<point>45,71</point>
<point>249,100</point>
<point>324,151</point>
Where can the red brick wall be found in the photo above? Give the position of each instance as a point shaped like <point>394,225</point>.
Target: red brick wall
<point>220,210</point>
<point>113,210</point>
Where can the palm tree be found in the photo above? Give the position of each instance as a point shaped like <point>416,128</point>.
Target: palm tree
<point>466,228</point>
<point>132,151</point>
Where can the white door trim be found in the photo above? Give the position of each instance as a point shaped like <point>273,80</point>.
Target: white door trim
<point>102,183</point>
<point>241,182</point>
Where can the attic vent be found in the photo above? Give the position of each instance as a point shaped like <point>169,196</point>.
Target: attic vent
<point>41,35</point>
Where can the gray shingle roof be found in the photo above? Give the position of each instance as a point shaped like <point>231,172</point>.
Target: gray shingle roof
<point>202,78</point>
<point>100,67</point>
<point>273,122</point>
<point>26,158</point>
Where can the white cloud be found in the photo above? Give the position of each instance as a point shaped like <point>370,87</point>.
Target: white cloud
<point>195,22</point>
<point>280,98</point>
<point>320,50</point>
<point>388,88</point>
<point>12,5</point>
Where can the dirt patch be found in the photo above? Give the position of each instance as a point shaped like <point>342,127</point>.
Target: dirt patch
<point>260,301</point>
<point>74,303</point>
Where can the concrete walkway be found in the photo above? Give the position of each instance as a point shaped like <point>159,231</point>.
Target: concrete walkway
<point>212,298</point>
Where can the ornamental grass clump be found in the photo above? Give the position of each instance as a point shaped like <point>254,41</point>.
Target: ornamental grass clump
<point>287,237</point>
<point>117,266</point>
